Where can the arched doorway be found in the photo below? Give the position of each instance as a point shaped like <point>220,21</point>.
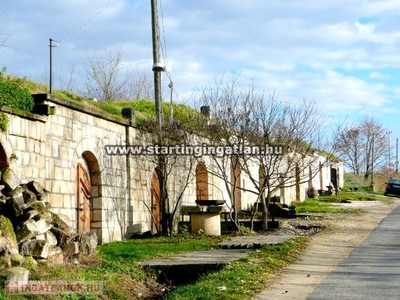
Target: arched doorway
<point>3,158</point>
<point>298,196</point>
<point>89,207</point>
<point>201,182</point>
<point>262,184</point>
<point>83,197</point>
<point>155,204</point>
<point>236,182</point>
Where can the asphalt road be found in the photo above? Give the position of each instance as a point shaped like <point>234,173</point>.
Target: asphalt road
<point>372,270</point>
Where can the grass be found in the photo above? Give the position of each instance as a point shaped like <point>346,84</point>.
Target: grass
<point>318,206</point>
<point>245,278</point>
<point>139,250</point>
<point>116,263</point>
<point>144,109</point>
<point>325,203</point>
<point>356,196</point>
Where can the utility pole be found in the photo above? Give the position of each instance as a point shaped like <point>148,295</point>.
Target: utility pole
<point>51,67</point>
<point>372,161</point>
<point>171,109</point>
<point>389,164</point>
<point>157,66</point>
<point>161,161</point>
<point>397,155</point>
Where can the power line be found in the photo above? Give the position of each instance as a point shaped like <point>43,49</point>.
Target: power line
<point>165,55</point>
<point>164,44</point>
<point>101,60</point>
<point>84,25</point>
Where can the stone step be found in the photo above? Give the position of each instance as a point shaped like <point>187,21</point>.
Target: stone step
<point>256,241</point>
<point>183,268</point>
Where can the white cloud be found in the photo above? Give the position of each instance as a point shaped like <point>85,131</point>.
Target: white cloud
<point>296,48</point>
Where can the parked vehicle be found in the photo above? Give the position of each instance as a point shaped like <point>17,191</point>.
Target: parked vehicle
<point>392,187</point>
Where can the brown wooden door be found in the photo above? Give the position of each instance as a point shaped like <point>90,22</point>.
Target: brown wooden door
<point>236,182</point>
<point>334,178</point>
<point>201,182</point>
<point>155,205</point>
<point>83,199</point>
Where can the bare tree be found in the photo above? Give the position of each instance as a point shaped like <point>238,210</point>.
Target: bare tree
<point>115,189</point>
<point>105,81</point>
<point>141,85</point>
<point>287,135</point>
<point>63,79</point>
<point>169,165</point>
<point>357,142</point>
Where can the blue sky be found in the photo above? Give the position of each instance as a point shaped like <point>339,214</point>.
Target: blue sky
<point>342,54</point>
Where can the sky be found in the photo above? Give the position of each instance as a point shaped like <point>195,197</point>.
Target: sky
<point>342,54</point>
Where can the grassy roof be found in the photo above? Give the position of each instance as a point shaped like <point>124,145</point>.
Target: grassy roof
<point>144,109</point>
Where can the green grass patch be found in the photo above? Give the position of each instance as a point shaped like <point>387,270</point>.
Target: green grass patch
<point>355,196</point>
<point>116,265</point>
<point>324,203</point>
<point>244,278</point>
<point>12,87</point>
<point>322,206</point>
<point>143,249</point>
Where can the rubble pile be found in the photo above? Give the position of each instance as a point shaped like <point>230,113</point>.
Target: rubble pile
<point>31,232</point>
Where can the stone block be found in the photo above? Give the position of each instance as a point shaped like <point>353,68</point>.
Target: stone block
<point>18,204</point>
<point>71,248</point>
<point>62,220</point>
<point>31,214</point>
<point>43,225</point>
<point>17,191</point>
<point>36,205</point>
<point>35,248</point>
<point>26,231</point>
<point>17,260</point>
<point>7,231</point>
<point>28,196</point>
<point>48,236</point>
<point>56,256</point>
<point>87,243</point>
<point>35,187</point>
<point>7,247</point>
<point>9,179</point>
<point>43,197</point>
<point>15,274</point>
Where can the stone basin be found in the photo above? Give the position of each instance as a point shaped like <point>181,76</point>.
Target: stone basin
<point>210,202</point>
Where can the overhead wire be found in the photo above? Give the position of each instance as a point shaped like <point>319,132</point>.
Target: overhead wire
<point>84,25</point>
<point>80,29</point>
<point>101,60</point>
<point>163,44</point>
<point>164,50</point>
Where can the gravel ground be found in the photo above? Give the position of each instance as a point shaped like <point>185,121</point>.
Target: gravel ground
<point>341,234</point>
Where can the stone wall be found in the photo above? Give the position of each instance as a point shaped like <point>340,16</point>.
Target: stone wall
<point>49,147</point>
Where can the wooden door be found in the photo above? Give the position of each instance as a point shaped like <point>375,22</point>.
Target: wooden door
<point>334,178</point>
<point>83,199</point>
<point>236,182</point>
<point>155,205</point>
<point>201,182</point>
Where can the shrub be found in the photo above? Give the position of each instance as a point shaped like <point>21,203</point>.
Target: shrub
<point>13,94</point>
